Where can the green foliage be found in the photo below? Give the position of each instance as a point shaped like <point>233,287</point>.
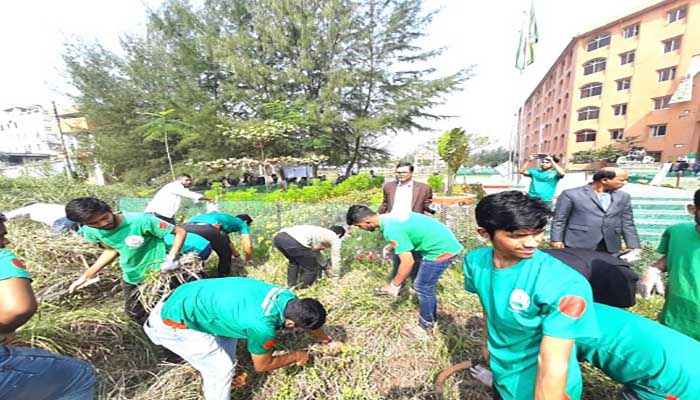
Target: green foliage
<point>436,183</point>
<point>491,158</point>
<point>609,153</point>
<point>454,148</point>
<point>286,78</point>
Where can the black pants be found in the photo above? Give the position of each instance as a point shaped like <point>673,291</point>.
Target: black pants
<point>303,264</point>
<point>220,243</point>
<point>164,218</point>
<point>132,305</point>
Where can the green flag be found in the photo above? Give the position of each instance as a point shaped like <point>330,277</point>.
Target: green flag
<point>528,39</point>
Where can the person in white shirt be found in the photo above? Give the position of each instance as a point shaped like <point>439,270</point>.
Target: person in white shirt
<point>166,202</point>
<point>53,215</point>
<point>302,246</point>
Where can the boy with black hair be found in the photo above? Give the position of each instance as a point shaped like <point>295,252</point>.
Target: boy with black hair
<point>680,245</point>
<point>301,245</point>
<point>216,227</point>
<point>201,321</point>
<point>433,241</point>
<point>136,238</point>
<point>535,306</point>
<point>28,373</point>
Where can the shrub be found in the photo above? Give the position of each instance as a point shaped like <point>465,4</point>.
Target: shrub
<point>436,182</point>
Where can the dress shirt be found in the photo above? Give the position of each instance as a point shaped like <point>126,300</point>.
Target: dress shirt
<point>317,238</point>
<point>403,200</point>
<point>167,201</point>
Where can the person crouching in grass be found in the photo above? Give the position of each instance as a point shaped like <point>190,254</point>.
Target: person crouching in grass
<point>201,322</point>
<point>136,238</point>
<point>534,305</point>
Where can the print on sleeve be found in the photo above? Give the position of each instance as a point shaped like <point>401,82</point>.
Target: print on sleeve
<point>572,306</point>
<point>17,263</point>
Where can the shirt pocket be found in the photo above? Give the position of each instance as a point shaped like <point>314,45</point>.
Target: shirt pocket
<point>575,227</point>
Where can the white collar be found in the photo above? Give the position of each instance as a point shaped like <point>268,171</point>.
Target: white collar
<point>409,184</point>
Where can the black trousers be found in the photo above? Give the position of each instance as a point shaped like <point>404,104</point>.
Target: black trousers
<point>303,264</point>
<point>132,305</point>
<point>220,243</point>
<point>164,218</point>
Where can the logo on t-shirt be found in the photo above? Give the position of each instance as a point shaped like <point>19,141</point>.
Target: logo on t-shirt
<point>133,241</point>
<point>17,263</point>
<point>163,225</point>
<point>519,300</point>
<point>268,345</point>
<point>572,306</point>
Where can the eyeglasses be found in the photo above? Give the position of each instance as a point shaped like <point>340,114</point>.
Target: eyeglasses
<point>402,172</point>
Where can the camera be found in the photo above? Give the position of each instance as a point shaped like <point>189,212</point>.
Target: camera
<point>540,156</point>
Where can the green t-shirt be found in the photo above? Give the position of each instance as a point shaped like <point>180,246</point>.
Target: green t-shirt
<point>535,297</point>
<point>543,183</point>
<point>240,308</point>
<point>139,241</point>
<point>419,233</point>
<point>11,266</point>
<point>193,243</point>
<point>651,360</point>
<point>681,245</point>
<point>228,222</point>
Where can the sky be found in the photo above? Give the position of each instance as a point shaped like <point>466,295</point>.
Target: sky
<point>479,33</point>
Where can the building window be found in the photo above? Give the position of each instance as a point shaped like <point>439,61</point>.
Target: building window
<point>677,14</point>
<point>672,44</point>
<point>592,89</point>
<point>627,58</point>
<point>598,42</point>
<point>588,113</point>
<point>620,109</point>
<point>624,83</point>
<point>658,130</point>
<point>667,74</point>
<point>594,66</point>
<point>616,134</point>
<point>662,103</point>
<point>585,136</point>
<point>631,31</point>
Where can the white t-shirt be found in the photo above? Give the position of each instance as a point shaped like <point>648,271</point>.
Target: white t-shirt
<point>39,212</point>
<point>167,201</point>
<point>317,238</point>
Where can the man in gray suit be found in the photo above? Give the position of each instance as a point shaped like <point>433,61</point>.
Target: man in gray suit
<point>594,216</point>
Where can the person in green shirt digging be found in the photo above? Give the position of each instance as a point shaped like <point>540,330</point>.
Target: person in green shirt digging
<point>216,227</point>
<point>136,238</point>
<point>433,241</point>
<point>534,305</point>
<point>544,179</point>
<point>201,321</point>
<point>680,245</point>
<point>652,361</point>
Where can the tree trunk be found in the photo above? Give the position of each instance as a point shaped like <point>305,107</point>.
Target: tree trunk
<point>450,182</point>
<point>355,156</point>
<point>167,153</point>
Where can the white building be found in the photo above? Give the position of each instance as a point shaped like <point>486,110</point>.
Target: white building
<point>29,131</point>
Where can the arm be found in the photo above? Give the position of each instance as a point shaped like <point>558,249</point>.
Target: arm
<point>247,247</point>
<point>557,167</point>
<point>184,192</point>
<point>560,219</point>
<point>552,368</point>
<point>428,201</point>
<point>177,242</point>
<point>524,167</point>
<point>335,256</point>
<point>405,268</point>
<point>103,260</point>
<point>268,362</point>
<point>485,344</point>
<point>661,264</point>
<point>629,230</point>
<point>17,303</point>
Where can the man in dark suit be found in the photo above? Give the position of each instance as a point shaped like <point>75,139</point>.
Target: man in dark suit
<point>405,195</point>
<point>594,216</point>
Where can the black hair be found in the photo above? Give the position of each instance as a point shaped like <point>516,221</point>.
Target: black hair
<point>305,313</point>
<point>405,164</point>
<point>3,218</point>
<point>511,211</point>
<point>604,173</point>
<point>246,218</point>
<point>357,213</point>
<point>83,208</point>
<point>339,230</point>
<point>555,158</point>
<point>183,176</point>
<point>696,199</point>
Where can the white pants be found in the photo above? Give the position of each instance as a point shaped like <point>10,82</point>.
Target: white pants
<point>213,356</point>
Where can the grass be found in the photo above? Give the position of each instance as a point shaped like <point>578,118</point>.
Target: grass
<point>375,363</point>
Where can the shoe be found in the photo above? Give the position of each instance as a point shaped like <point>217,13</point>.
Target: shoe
<point>415,332</point>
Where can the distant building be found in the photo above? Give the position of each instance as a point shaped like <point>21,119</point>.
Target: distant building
<point>634,76</point>
<point>427,155</point>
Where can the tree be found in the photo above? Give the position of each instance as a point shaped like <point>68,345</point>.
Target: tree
<point>454,148</point>
<point>492,158</point>
<point>608,153</point>
<point>351,70</point>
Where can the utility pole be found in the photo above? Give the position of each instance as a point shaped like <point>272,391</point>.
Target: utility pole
<point>69,168</point>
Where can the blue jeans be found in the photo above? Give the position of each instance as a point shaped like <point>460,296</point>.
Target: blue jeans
<point>429,272</point>
<point>36,374</point>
